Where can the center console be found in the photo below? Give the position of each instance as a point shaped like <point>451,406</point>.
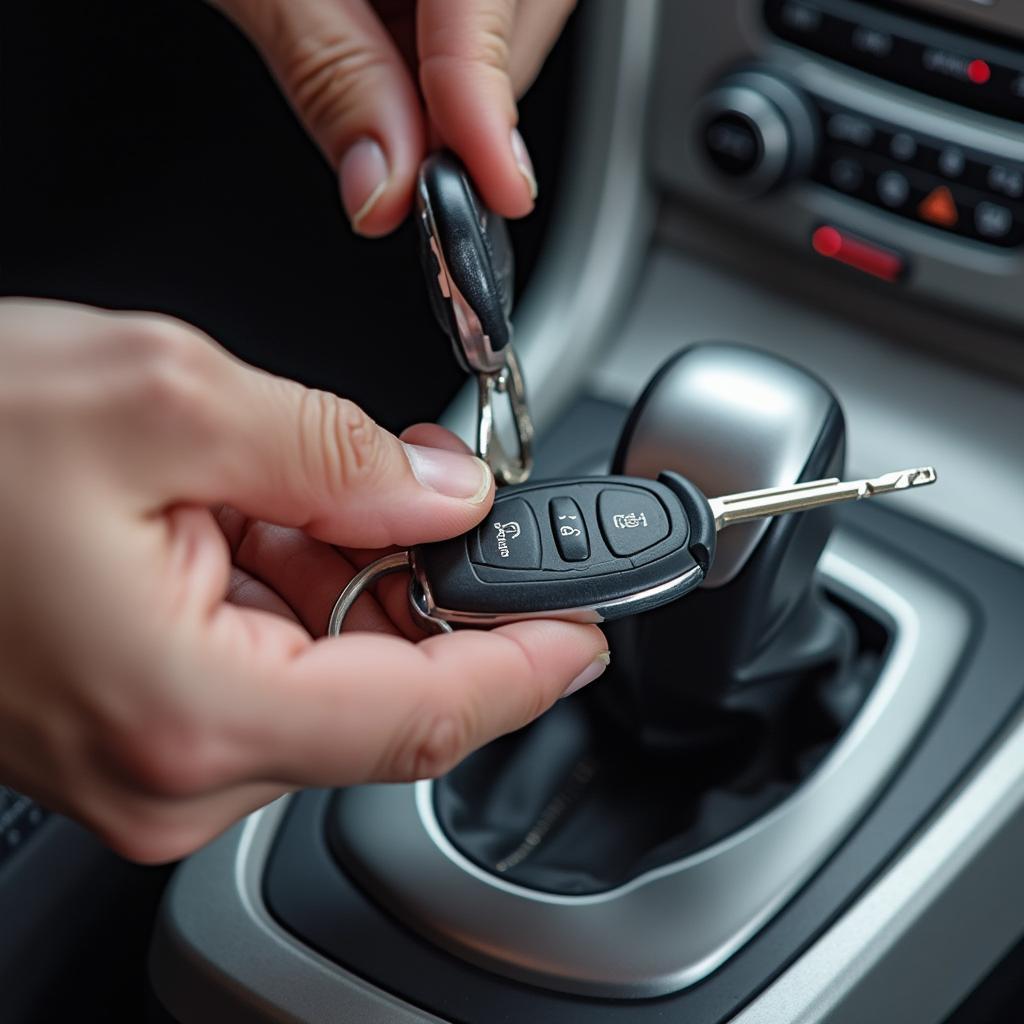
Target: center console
<point>780,804</point>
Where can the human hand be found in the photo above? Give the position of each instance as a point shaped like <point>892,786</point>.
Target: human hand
<point>156,692</point>
<point>360,73</point>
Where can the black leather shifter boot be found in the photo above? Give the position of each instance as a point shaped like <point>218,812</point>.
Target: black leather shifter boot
<point>716,707</point>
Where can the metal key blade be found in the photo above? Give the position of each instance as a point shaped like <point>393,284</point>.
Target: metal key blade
<point>775,501</point>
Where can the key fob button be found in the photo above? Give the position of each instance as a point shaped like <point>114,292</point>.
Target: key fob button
<point>509,537</point>
<point>570,530</point>
<point>631,520</point>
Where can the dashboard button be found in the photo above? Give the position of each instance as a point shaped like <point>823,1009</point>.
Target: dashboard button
<point>893,188</point>
<point>847,175</point>
<point>852,129</point>
<point>859,253</point>
<point>1008,181</point>
<point>992,220</point>
<point>939,208</point>
<point>801,18</point>
<point>871,41</point>
<point>903,146</point>
<point>952,161</point>
<point>733,143</point>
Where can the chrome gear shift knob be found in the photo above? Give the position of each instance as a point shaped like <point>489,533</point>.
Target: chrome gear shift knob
<point>727,416</point>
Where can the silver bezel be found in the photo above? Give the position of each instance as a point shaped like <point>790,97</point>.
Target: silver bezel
<point>644,600</point>
<point>672,926</point>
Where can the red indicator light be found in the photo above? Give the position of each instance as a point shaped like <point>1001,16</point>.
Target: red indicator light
<point>827,242</point>
<point>979,72</point>
<point>872,259</point>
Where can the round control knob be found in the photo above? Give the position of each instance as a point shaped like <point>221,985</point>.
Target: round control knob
<point>756,132</point>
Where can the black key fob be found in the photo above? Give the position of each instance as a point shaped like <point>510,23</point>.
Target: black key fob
<point>587,549</point>
<point>467,259</point>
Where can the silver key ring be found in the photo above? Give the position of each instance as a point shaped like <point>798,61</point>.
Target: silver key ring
<point>507,381</point>
<point>398,561</point>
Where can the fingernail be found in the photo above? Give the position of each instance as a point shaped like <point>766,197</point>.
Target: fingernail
<point>364,176</point>
<point>589,674</point>
<point>523,162</point>
<point>450,473</point>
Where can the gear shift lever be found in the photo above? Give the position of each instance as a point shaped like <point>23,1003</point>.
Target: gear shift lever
<point>715,707</point>
<point>728,416</point>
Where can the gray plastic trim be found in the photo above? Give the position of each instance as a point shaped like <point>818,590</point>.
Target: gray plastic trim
<point>671,927</point>
<point>217,954</point>
<point>915,944</point>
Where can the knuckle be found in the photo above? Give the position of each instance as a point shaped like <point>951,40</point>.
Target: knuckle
<point>436,743</point>
<point>326,76</point>
<point>486,46</point>
<point>170,369</point>
<point>343,444</point>
<point>491,46</point>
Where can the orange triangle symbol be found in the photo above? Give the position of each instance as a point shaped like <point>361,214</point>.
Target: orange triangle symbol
<point>939,207</point>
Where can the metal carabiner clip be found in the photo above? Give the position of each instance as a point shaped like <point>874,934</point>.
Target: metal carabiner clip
<point>507,381</point>
<point>467,261</point>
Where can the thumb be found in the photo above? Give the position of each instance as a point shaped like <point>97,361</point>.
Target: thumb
<point>221,432</point>
<point>346,79</point>
<point>318,461</point>
<point>464,48</point>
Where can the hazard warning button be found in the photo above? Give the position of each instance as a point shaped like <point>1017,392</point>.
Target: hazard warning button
<point>939,208</point>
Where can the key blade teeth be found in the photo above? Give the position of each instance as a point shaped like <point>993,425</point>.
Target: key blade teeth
<point>901,480</point>
<point>923,476</point>
<point>919,477</point>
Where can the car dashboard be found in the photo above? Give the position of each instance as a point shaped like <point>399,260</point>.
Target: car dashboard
<point>838,184</point>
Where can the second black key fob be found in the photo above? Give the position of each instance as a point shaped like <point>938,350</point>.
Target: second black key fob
<point>467,259</point>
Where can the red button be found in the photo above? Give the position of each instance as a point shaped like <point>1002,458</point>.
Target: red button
<point>855,252</point>
<point>939,207</point>
<point>979,72</point>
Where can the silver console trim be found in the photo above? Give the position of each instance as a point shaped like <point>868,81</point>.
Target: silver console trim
<point>728,891</point>
<point>957,889</point>
<point>218,954</point>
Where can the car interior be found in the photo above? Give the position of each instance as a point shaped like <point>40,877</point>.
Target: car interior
<point>776,241</point>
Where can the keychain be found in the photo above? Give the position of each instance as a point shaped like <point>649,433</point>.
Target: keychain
<point>585,550</point>
<point>467,259</point>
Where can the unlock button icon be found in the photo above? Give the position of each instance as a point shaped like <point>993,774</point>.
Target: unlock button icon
<point>570,530</point>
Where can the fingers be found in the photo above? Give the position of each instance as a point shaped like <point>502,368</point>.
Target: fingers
<point>320,462</point>
<point>307,574</point>
<point>465,53</point>
<point>344,76</point>
<point>210,430</point>
<point>362,708</point>
<point>246,591</point>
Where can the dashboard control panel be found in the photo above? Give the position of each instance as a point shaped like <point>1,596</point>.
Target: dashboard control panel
<point>896,129</point>
<point>956,64</point>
